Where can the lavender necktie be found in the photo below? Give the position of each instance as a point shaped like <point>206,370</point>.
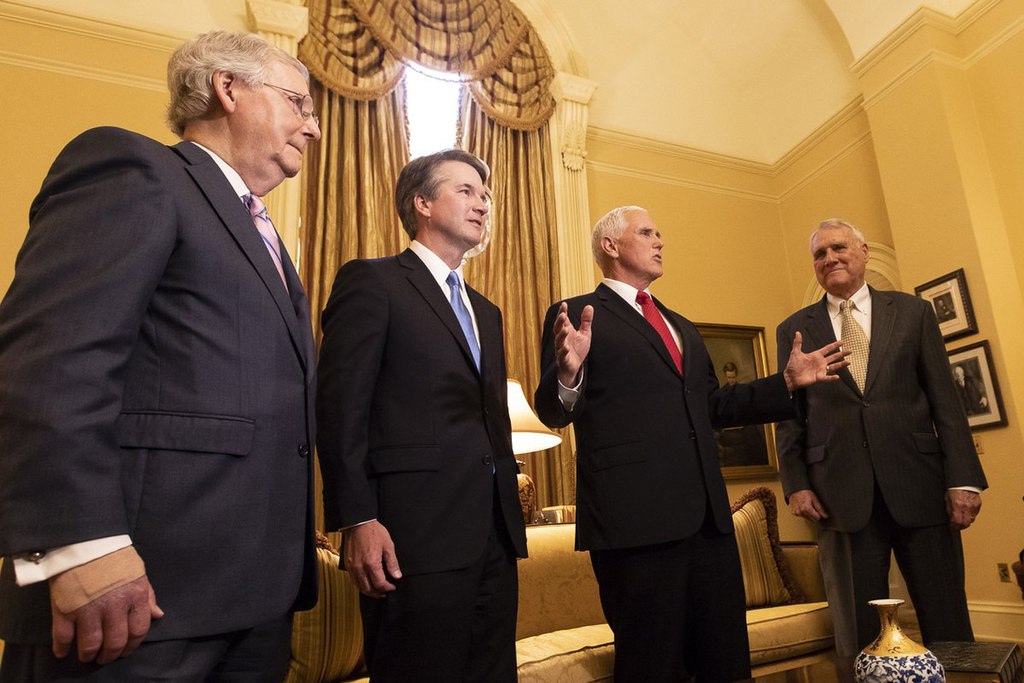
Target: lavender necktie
<point>265,227</point>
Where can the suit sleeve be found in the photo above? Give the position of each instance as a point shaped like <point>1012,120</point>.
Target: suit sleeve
<point>961,464</point>
<point>101,232</point>
<point>791,435</point>
<point>355,324</point>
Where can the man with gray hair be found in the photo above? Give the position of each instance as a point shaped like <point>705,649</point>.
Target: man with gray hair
<point>638,384</point>
<point>156,514</point>
<point>882,461</point>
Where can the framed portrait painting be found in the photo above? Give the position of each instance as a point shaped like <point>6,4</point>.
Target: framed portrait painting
<point>974,380</point>
<point>739,355</point>
<point>949,297</point>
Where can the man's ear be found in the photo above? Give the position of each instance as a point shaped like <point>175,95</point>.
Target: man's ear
<point>609,247</point>
<point>225,89</point>
<point>422,205</point>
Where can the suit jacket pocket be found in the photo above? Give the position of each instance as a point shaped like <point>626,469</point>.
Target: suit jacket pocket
<point>404,459</point>
<point>926,442</point>
<point>816,454</point>
<point>185,432</point>
<point>612,456</point>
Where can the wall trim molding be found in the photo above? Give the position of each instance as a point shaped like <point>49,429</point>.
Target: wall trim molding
<point>152,39</point>
<point>629,172</point>
<point>845,151</point>
<point>669,149</point>
<point>82,71</point>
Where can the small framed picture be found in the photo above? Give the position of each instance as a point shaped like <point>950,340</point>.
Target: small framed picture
<point>975,382</point>
<point>952,303</point>
<point>739,355</point>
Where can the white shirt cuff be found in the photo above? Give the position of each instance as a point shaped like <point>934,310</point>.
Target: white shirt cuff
<point>57,560</point>
<point>975,489</point>
<point>569,396</point>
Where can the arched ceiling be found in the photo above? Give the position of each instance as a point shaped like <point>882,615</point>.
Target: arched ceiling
<point>743,78</point>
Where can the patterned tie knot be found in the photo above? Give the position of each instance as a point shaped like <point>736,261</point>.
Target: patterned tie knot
<point>256,207</point>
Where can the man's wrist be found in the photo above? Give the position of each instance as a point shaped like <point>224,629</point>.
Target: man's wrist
<point>83,584</point>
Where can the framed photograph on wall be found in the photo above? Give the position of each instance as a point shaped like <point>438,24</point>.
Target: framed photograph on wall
<point>975,382</point>
<point>739,355</point>
<point>952,303</point>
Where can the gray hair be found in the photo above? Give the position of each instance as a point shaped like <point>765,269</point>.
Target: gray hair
<point>191,68</point>
<point>829,223</point>
<point>420,178</point>
<point>610,225</point>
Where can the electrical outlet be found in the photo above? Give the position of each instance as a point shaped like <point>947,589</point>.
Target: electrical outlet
<point>1004,572</point>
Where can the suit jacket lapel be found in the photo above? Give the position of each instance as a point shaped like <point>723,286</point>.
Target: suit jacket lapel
<point>233,214</point>
<point>883,318</point>
<point>820,332</point>
<point>420,277</point>
<point>616,305</point>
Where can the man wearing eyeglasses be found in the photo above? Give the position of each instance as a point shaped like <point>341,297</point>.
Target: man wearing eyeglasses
<point>156,407</point>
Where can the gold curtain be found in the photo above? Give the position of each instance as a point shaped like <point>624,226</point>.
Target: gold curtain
<point>519,269</point>
<point>349,209</point>
<point>356,51</point>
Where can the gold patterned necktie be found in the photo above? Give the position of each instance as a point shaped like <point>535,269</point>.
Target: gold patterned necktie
<point>855,341</point>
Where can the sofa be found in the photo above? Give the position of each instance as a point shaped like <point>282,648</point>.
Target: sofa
<point>561,632</point>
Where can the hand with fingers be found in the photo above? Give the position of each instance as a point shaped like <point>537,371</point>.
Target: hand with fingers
<point>572,345</point>
<point>369,555</point>
<point>804,503</point>
<point>804,369</point>
<point>102,608</point>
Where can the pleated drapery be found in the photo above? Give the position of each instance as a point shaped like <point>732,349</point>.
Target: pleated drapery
<point>356,52</point>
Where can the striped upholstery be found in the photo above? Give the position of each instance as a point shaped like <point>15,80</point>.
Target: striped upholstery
<point>765,575</point>
<point>327,641</point>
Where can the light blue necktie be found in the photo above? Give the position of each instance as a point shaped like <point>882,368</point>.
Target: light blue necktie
<point>465,319</point>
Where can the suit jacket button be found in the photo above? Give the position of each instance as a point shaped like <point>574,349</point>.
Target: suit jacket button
<point>303,451</point>
<point>866,404</point>
<point>486,460</point>
<point>865,444</point>
<point>692,434</point>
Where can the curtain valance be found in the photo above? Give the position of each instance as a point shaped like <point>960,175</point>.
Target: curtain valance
<point>358,49</point>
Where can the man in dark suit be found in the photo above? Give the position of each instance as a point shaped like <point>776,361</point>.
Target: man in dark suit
<point>415,441</point>
<point>156,409</point>
<point>882,461</point>
<point>652,508</point>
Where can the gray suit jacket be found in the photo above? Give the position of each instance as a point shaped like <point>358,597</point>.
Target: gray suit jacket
<point>907,431</point>
<point>158,381</point>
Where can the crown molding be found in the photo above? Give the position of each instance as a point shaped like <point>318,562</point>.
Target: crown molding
<point>630,172</point>
<point>650,145</point>
<point>66,22</point>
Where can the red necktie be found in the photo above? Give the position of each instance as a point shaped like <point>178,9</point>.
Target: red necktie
<point>654,318</point>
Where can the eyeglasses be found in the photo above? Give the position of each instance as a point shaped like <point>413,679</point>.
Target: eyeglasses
<point>302,104</point>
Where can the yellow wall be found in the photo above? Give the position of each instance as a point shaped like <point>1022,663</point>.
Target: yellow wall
<point>57,82</point>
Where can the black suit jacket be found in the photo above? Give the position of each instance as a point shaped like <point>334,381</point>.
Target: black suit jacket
<point>906,431</point>
<point>411,433</point>
<point>158,382</point>
<point>647,465</point>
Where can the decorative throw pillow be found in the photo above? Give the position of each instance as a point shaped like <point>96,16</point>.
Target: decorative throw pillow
<point>327,641</point>
<point>766,577</point>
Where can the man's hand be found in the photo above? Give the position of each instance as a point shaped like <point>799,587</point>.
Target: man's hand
<point>370,557</point>
<point>108,626</point>
<point>804,369</point>
<point>963,506</point>
<point>804,503</point>
<point>572,345</point>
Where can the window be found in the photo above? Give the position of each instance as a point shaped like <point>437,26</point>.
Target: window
<point>432,105</point>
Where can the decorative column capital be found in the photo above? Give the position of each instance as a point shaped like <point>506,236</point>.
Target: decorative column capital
<point>569,87</point>
<point>282,17</point>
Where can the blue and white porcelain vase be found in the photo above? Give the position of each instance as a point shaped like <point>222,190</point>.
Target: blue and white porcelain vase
<point>893,657</point>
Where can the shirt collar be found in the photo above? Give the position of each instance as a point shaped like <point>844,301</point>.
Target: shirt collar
<point>627,292</point>
<point>861,301</point>
<point>237,184</point>
<point>438,269</point>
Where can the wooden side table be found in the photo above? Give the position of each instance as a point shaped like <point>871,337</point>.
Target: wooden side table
<point>980,662</point>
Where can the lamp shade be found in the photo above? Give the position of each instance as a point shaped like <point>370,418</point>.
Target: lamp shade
<point>528,433</point>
